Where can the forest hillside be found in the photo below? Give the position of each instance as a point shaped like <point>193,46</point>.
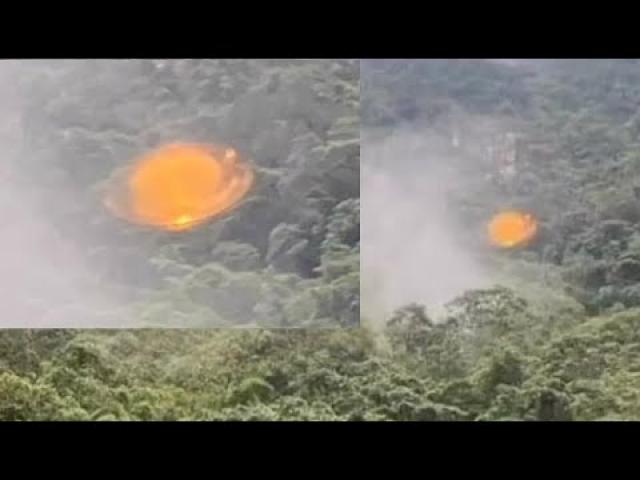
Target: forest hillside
<point>545,332</point>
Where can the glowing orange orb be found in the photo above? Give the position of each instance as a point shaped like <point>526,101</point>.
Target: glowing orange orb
<point>511,229</point>
<point>179,186</point>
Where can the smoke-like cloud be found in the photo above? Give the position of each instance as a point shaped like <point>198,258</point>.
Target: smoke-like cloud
<point>40,273</point>
<point>410,242</point>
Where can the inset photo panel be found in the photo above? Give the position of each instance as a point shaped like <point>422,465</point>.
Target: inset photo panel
<point>180,193</point>
<point>501,233</point>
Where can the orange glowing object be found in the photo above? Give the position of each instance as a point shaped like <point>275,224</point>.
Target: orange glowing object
<point>512,229</point>
<point>179,186</point>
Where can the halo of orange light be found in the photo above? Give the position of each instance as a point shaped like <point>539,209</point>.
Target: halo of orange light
<point>512,229</point>
<point>179,186</point>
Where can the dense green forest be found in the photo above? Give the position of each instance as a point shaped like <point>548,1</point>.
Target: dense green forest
<point>558,340</point>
